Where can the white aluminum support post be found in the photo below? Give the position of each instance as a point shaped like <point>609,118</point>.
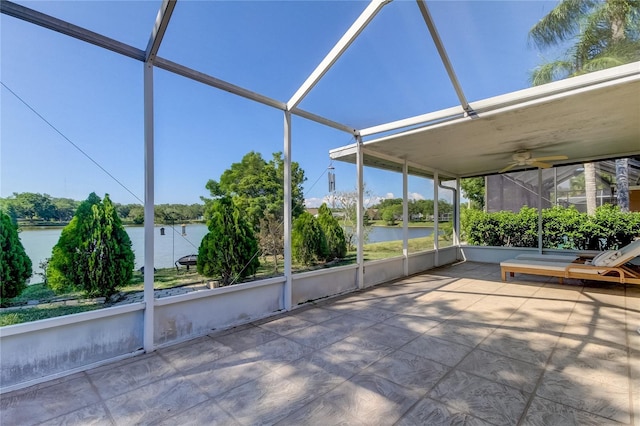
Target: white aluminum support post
<point>360,210</point>
<point>405,217</point>
<point>148,344</point>
<point>340,47</point>
<point>436,214</point>
<point>456,223</point>
<point>540,210</point>
<point>287,212</point>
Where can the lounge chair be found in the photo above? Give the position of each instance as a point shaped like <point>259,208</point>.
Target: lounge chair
<point>611,265</point>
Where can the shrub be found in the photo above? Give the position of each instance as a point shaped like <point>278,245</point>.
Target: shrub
<point>389,216</point>
<point>614,228</point>
<point>333,232</point>
<point>308,242</point>
<point>15,265</point>
<point>93,253</point>
<point>563,228</point>
<point>230,249</point>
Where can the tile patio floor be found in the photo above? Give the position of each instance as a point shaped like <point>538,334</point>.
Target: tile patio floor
<point>454,346</point>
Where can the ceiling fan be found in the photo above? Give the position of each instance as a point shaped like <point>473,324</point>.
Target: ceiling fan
<point>523,158</point>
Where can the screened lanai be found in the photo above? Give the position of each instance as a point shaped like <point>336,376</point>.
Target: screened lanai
<point>160,94</point>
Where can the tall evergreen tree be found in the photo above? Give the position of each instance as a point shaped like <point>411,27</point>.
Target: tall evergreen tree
<point>308,242</point>
<point>93,253</point>
<point>334,234</point>
<point>111,260</point>
<point>230,249</point>
<point>15,265</point>
<point>69,264</point>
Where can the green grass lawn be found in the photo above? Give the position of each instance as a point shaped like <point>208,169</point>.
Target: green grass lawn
<point>37,313</point>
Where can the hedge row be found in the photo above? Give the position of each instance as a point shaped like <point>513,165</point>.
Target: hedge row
<point>563,228</point>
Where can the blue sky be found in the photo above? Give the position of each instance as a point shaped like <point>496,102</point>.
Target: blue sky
<point>94,97</point>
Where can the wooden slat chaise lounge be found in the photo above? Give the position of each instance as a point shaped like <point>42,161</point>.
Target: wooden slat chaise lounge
<point>611,266</point>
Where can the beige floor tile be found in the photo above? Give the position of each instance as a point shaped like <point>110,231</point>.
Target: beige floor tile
<point>543,412</point>
<point>363,400</point>
<point>490,401</point>
<point>39,404</point>
<point>508,371</point>
<point>387,335</point>
<point>606,401</point>
<point>285,325</point>
<point>355,354</point>
<point>155,401</point>
<point>114,381</point>
<point>226,373</point>
<point>317,336</point>
<point>434,413</point>
<point>532,347</point>
<point>246,338</point>
<point>412,322</point>
<point>462,332</point>
<point>206,413</point>
<point>195,352</point>
<point>315,315</point>
<point>265,400</point>
<point>409,370</point>
<point>92,415</point>
<point>442,351</point>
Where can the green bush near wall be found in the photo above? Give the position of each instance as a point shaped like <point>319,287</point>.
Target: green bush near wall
<point>563,228</point>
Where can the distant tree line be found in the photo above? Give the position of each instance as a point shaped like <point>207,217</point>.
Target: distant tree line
<point>390,210</point>
<point>36,207</point>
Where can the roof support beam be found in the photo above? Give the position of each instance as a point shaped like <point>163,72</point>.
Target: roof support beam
<point>422,5</point>
<point>160,27</point>
<point>192,74</point>
<point>432,117</point>
<point>198,76</point>
<point>318,119</point>
<point>352,33</point>
<point>63,27</point>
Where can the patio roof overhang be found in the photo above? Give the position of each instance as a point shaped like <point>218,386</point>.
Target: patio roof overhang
<point>590,117</point>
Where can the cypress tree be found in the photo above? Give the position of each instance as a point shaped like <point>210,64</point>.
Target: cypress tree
<point>230,249</point>
<point>15,265</point>
<point>336,241</point>
<point>308,242</point>
<point>93,253</point>
<point>111,259</point>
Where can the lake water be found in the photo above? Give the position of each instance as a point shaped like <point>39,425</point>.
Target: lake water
<point>39,241</point>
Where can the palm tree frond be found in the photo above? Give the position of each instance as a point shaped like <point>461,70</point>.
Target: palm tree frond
<point>561,23</point>
<point>601,63</point>
<point>552,71</point>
